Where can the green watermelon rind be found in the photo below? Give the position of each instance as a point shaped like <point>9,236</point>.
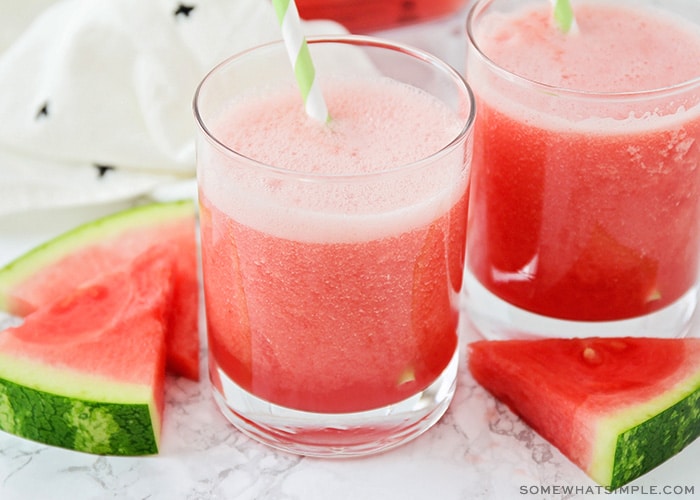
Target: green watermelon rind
<point>102,229</point>
<point>78,412</point>
<point>637,439</point>
<point>82,425</point>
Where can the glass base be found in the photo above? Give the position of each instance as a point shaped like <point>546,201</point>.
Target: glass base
<point>496,319</point>
<point>336,434</point>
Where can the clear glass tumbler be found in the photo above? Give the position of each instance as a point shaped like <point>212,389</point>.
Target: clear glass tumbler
<point>333,253</point>
<point>585,194</point>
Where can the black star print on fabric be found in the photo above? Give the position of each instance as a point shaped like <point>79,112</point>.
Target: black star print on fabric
<point>43,111</point>
<point>183,10</point>
<point>102,169</point>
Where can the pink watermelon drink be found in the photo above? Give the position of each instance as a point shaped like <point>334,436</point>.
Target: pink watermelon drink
<point>333,326</point>
<point>333,257</point>
<point>586,180</point>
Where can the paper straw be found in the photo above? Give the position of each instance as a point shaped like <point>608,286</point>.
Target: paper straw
<point>564,16</point>
<point>300,57</point>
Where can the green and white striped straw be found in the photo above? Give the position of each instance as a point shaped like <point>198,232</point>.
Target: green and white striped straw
<point>300,57</point>
<point>564,16</point>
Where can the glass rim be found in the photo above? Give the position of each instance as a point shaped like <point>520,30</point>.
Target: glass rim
<point>480,5</point>
<point>355,40</point>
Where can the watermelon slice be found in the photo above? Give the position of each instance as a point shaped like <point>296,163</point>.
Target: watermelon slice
<point>86,372</point>
<point>100,246</point>
<point>616,407</point>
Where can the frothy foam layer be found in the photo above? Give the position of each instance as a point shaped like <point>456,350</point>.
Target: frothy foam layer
<point>617,49</point>
<point>373,127</point>
<point>377,127</point>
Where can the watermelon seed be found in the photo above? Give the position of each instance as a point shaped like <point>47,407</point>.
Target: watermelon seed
<point>591,356</point>
<point>654,295</point>
<point>618,344</point>
<point>408,375</point>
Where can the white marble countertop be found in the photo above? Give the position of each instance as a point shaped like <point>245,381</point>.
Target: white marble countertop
<point>479,450</point>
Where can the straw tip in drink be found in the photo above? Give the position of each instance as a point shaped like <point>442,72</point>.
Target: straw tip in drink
<point>563,15</point>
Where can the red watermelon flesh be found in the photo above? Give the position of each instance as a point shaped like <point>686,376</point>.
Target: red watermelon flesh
<point>105,244</point>
<point>616,407</point>
<point>87,370</point>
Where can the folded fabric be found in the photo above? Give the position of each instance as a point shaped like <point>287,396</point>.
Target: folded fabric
<point>96,95</point>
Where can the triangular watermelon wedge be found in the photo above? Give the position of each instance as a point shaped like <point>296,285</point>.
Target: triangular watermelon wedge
<point>59,265</point>
<point>86,372</point>
<point>616,407</point>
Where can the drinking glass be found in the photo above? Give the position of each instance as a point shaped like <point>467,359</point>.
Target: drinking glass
<point>332,292</point>
<point>585,194</point>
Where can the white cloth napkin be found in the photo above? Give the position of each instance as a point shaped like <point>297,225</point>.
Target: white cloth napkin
<point>96,95</point>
